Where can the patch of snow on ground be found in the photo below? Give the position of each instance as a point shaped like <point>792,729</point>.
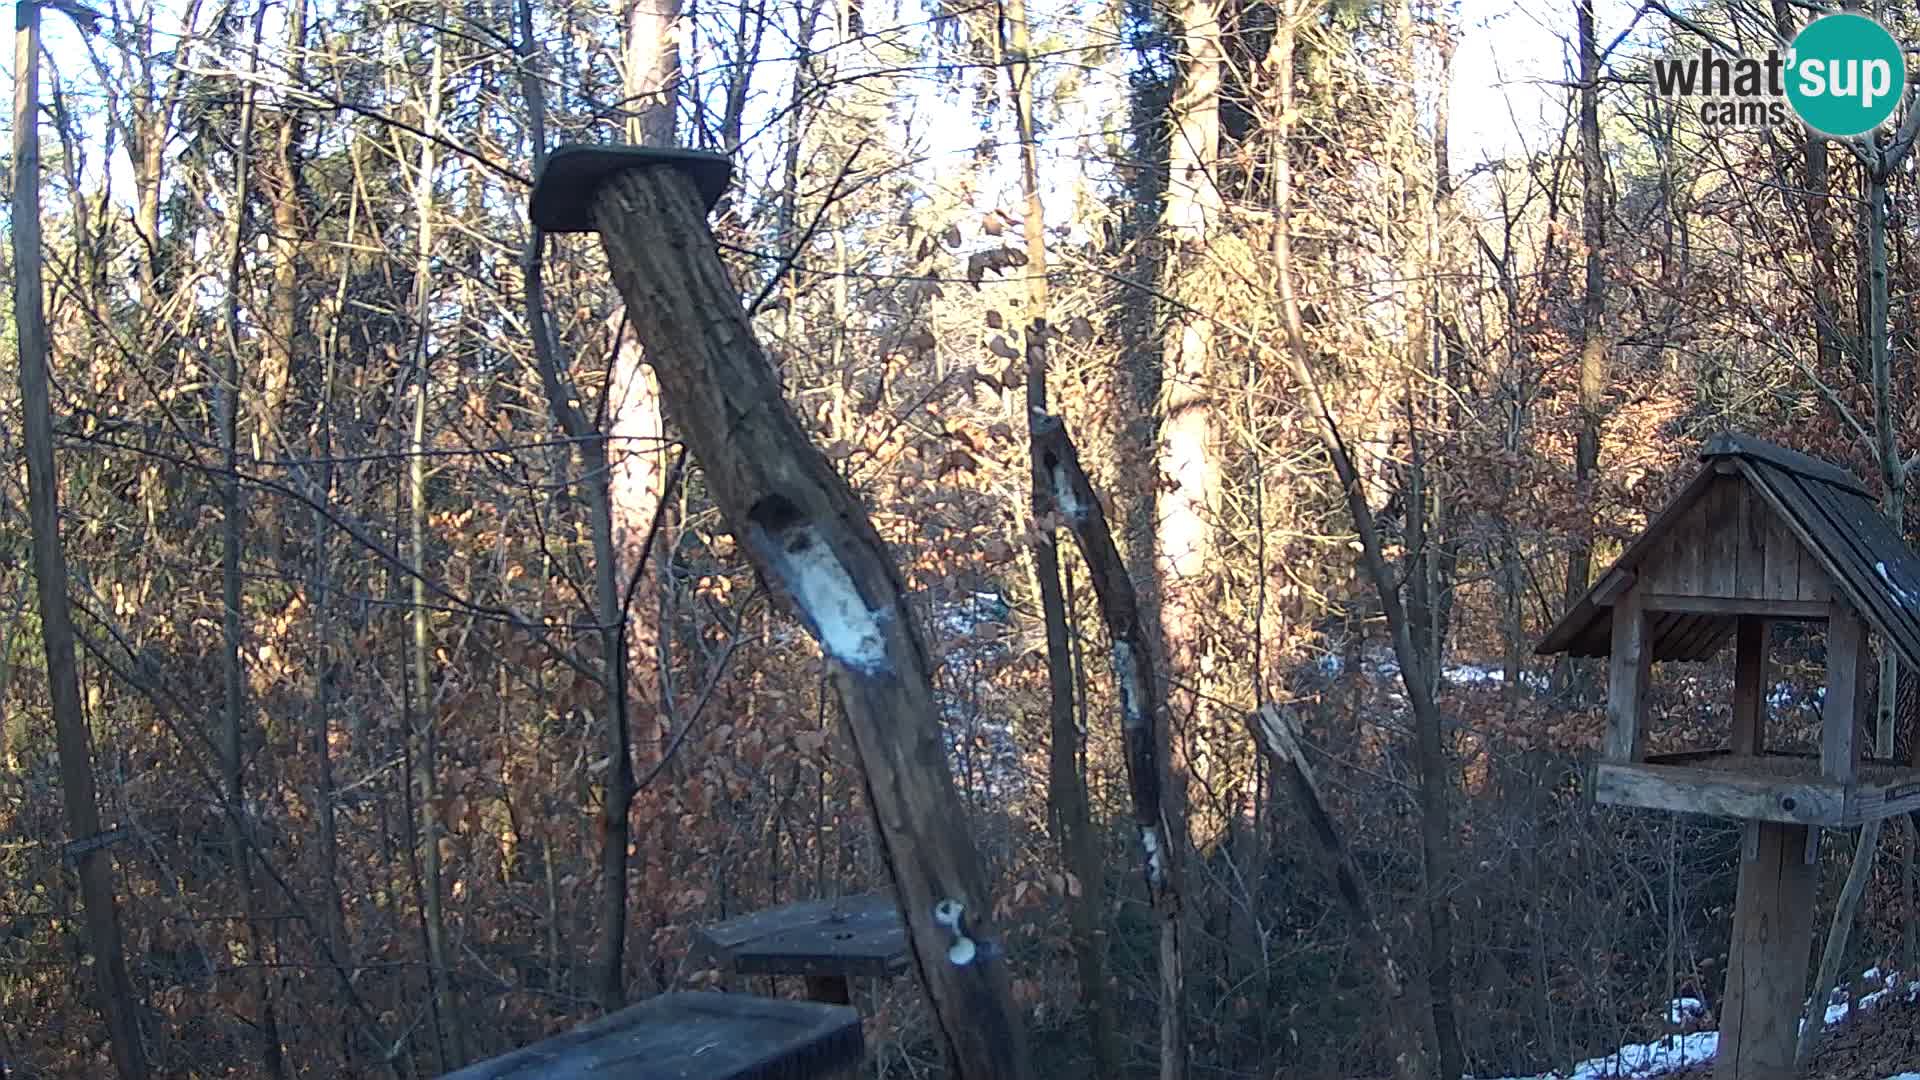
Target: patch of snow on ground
<point>1473,674</point>
<point>1681,1010</point>
<point>1645,1060</point>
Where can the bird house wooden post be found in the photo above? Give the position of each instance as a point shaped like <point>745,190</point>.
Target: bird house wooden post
<point>813,544</point>
<point>1762,534</point>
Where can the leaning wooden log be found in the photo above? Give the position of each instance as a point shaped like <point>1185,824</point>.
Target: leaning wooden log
<point>1069,493</point>
<point>1278,736</point>
<point>812,542</point>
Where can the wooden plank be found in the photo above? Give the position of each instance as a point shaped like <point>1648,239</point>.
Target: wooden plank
<point>1685,790</point>
<point>1886,567</point>
<point>1719,541</point>
<point>1628,671</point>
<point>1783,554</point>
<point>1583,612</point>
<point>1875,802</point>
<point>1703,637</point>
<point>1790,460</point>
<point>691,1036</point>
<point>1839,713</point>
<point>1612,584</point>
<point>1734,605</point>
<point>1767,958</point>
<point>1749,686</point>
<point>1853,552</point>
<point>1750,547</point>
<point>850,936</point>
<point>1820,536</point>
<point>1685,553</point>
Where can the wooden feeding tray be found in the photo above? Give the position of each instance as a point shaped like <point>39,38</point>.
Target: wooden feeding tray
<point>827,941</point>
<point>692,1037</point>
<point>1768,787</point>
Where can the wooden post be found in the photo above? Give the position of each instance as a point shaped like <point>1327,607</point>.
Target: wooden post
<point>814,545</point>
<point>1628,671</point>
<point>1750,686</point>
<point>1840,714</point>
<point>831,989</point>
<point>1767,958</point>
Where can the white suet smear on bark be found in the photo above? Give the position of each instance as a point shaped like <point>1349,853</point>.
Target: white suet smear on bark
<point>829,602</point>
<point>1065,497</point>
<point>1133,693</point>
<point>1156,853</point>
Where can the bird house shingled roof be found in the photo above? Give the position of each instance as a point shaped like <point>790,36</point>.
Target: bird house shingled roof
<point>1761,530</point>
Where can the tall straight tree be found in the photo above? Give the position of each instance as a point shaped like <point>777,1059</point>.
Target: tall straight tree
<point>1186,481</point>
<point>101,908</point>
<point>1593,297</point>
<point>228,392</point>
<point>426,780</point>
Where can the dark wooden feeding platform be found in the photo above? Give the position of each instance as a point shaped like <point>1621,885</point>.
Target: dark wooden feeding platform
<point>1761,534</point>
<point>825,941</point>
<point>692,1037</point>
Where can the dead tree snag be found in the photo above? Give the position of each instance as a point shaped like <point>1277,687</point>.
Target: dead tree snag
<point>813,543</point>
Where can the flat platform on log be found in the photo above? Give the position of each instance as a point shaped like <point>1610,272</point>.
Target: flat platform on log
<point>1768,787</point>
<point>851,936</point>
<point>692,1036</point>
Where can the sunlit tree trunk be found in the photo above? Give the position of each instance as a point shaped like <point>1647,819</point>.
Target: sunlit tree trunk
<point>1185,486</point>
<point>100,906</point>
<point>426,758</point>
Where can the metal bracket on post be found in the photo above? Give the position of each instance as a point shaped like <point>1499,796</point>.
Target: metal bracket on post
<point>563,193</point>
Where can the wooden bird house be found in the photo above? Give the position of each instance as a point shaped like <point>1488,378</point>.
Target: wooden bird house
<point>1762,534</point>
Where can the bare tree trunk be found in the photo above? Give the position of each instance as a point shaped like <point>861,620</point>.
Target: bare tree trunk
<point>232,536</point>
<point>1418,380</point>
<point>1066,787</point>
<point>1593,298</point>
<point>426,763</point>
<point>95,865</point>
<point>287,195</point>
<point>1069,493</point>
<point>1185,503</point>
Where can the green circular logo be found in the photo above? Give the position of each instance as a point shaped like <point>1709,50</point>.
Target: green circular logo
<point>1846,75</point>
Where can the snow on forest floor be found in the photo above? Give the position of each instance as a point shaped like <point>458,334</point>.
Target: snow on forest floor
<point>1677,1052</point>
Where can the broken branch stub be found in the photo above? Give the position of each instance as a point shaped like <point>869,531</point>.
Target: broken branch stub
<point>813,543</point>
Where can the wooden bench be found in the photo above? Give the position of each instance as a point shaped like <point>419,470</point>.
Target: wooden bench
<point>693,1036</point>
<point>824,941</point>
